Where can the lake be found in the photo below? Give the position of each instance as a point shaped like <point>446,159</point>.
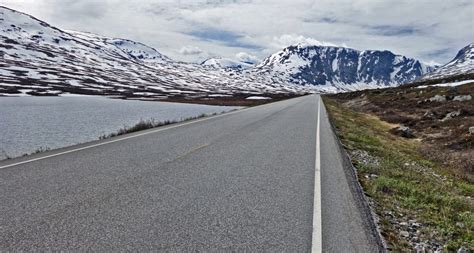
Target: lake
<point>31,123</point>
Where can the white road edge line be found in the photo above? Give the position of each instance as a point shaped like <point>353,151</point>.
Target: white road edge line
<point>136,135</point>
<point>121,139</point>
<point>317,240</point>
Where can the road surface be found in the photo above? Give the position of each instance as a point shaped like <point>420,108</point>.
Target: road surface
<point>250,180</point>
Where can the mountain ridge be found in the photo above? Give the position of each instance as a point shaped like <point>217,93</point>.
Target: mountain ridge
<point>41,59</point>
<point>325,65</point>
<point>461,64</point>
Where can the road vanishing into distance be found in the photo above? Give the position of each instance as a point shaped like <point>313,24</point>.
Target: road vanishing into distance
<point>267,178</point>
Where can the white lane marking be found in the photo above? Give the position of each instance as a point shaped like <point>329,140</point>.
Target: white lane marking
<point>117,140</point>
<point>317,241</point>
<point>137,135</point>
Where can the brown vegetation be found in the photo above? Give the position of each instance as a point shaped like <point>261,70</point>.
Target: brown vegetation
<point>442,127</point>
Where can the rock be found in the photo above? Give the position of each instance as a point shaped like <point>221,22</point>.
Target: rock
<point>364,157</point>
<point>462,250</point>
<point>404,224</point>
<point>420,248</point>
<point>415,224</point>
<point>371,176</point>
<point>471,130</point>
<point>451,115</point>
<point>438,98</point>
<point>462,98</point>
<point>429,115</point>
<point>404,233</point>
<point>460,224</point>
<point>403,131</point>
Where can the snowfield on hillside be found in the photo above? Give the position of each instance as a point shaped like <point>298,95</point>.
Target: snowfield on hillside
<point>41,60</point>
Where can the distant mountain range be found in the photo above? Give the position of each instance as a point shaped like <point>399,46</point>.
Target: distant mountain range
<point>342,67</point>
<point>39,59</point>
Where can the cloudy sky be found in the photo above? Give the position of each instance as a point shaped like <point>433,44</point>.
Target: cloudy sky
<point>193,30</point>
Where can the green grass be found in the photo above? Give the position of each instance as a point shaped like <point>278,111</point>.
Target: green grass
<point>407,184</point>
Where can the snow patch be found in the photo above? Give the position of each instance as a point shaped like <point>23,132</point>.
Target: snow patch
<point>453,84</point>
<point>257,98</point>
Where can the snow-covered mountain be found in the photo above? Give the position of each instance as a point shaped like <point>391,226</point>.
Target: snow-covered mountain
<point>37,58</point>
<point>341,68</point>
<point>462,64</point>
<point>129,49</point>
<point>226,63</point>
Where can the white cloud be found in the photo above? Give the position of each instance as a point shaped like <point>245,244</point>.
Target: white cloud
<point>292,39</point>
<point>190,50</point>
<point>432,30</point>
<point>246,57</point>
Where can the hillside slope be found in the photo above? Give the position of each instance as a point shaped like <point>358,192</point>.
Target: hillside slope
<point>39,59</point>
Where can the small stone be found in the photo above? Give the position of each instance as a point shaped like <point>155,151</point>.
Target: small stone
<point>416,225</point>
<point>462,98</point>
<point>420,248</point>
<point>404,233</point>
<point>460,224</point>
<point>429,115</point>
<point>471,130</point>
<point>403,131</point>
<point>403,224</point>
<point>371,176</point>
<point>462,250</point>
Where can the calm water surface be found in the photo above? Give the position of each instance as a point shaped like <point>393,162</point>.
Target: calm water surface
<point>30,123</point>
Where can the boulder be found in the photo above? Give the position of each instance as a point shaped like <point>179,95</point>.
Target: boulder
<point>451,115</point>
<point>462,98</point>
<point>471,130</point>
<point>438,98</point>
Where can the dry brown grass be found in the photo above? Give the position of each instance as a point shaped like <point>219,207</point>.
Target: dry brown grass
<point>445,141</point>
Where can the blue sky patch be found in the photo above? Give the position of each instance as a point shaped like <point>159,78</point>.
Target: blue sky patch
<point>443,52</point>
<point>391,30</point>
<point>227,38</point>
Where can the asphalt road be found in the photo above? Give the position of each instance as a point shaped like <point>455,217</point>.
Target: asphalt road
<point>242,181</point>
